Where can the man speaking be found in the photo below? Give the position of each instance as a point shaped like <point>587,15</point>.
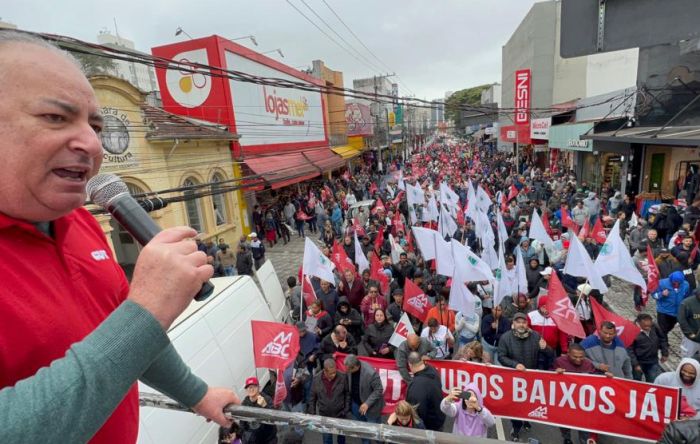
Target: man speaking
<point>74,335</point>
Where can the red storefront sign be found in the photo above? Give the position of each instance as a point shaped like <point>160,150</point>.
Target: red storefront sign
<point>515,134</point>
<point>523,82</point>
<point>611,406</point>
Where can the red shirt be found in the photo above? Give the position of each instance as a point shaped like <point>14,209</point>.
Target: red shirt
<point>55,292</point>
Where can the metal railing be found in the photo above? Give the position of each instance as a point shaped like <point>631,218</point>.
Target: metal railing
<point>321,424</point>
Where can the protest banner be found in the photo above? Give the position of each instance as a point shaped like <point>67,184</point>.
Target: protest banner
<point>611,406</point>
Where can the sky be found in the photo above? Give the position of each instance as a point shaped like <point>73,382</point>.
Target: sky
<point>433,46</point>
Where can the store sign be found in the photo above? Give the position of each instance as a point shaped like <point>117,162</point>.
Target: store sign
<point>539,128</point>
<point>188,84</point>
<point>578,143</point>
<point>358,119</point>
<point>568,137</point>
<point>489,130</point>
<point>512,134</point>
<point>272,114</point>
<point>523,80</point>
<point>116,139</point>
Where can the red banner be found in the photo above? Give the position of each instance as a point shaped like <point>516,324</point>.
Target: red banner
<point>523,80</point>
<point>415,302</point>
<point>275,345</point>
<point>612,406</point>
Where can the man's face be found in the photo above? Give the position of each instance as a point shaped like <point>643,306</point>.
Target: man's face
<point>645,324</point>
<point>688,374</point>
<point>398,298</point>
<point>651,234</point>
<point>607,335</point>
<point>325,286</point>
<point>576,356</point>
<point>520,325</point>
<point>340,333</point>
<point>543,310</point>
<point>349,275</point>
<point>329,373</point>
<point>510,265</point>
<point>49,133</point>
<point>687,242</point>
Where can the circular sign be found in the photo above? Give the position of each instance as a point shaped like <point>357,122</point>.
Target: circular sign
<point>188,84</point>
<point>115,135</point>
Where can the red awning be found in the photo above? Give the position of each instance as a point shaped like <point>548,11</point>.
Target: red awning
<point>283,169</point>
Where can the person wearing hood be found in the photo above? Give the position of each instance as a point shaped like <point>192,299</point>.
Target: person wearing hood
<point>511,306</point>
<point>533,274</point>
<point>689,320</point>
<point>669,296</point>
<point>685,377</point>
<point>526,249</point>
<point>637,236</point>
<point>666,263</point>
<point>592,204</point>
<point>614,203</point>
<point>350,318</point>
<point>244,260</point>
<point>466,406</point>
<point>425,391</point>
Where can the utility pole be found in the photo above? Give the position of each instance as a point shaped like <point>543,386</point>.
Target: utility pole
<point>376,126</point>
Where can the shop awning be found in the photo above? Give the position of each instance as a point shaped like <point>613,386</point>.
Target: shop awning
<point>346,151</point>
<point>283,169</point>
<point>672,135</point>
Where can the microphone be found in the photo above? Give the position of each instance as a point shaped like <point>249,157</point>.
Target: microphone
<point>110,192</point>
<point>152,204</point>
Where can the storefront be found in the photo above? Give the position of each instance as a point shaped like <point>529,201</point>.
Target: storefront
<point>539,133</point>
<point>152,150</point>
<point>574,153</point>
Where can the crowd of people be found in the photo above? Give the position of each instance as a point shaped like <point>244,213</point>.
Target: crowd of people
<point>356,313</point>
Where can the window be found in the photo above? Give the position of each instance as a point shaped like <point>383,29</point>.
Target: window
<point>192,206</point>
<point>218,200</point>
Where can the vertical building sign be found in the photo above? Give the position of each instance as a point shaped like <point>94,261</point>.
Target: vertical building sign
<point>523,82</point>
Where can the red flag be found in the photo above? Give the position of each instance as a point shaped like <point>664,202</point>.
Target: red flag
<point>307,291</point>
<point>567,222</point>
<point>377,205</point>
<point>409,239</point>
<point>652,276</point>
<point>561,310</point>
<point>329,192</point>
<point>280,389</point>
<point>415,302</point>
<point>379,240</point>
<point>598,233</point>
<point>397,199</point>
<point>275,345</point>
<point>357,227</point>
<point>545,222</point>
<point>626,330</point>
<point>372,189</point>
<point>513,193</point>
<point>460,215</point>
<point>376,272</point>
<point>340,258</point>
<point>397,224</point>
<point>585,229</point>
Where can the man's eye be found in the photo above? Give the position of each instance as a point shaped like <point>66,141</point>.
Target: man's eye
<point>54,118</point>
<point>97,129</point>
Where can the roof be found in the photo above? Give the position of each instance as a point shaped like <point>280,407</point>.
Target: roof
<point>656,135</point>
<point>163,125</point>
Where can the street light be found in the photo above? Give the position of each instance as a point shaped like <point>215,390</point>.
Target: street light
<point>179,31</point>
<point>251,37</point>
<point>278,50</point>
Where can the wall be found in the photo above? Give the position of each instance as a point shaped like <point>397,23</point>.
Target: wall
<point>335,104</point>
<point>611,71</point>
<point>674,155</point>
<point>569,80</point>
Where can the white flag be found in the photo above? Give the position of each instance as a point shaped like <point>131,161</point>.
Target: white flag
<point>432,211</point>
<point>483,201</point>
<point>461,299</point>
<point>401,332</point>
<point>425,238</point>
<point>316,263</point>
<point>489,255</point>
<point>390,190</point>
<point>614,258</point>
<point>414,195</point>
<point>520,271</point>
<point>396,249</point>
<point>412,214</point>
<point>360,258</point>
<point>501,287</point>
<point>502,231</point>
<point>469,266</point>
<point>471,202</point>
<point>447,225</point>
<point>579,263</point>
<point>445,263</point>
<point>634,221</point>
<point>538,232</point>
<point>448,196</point>
<point>401,183</point>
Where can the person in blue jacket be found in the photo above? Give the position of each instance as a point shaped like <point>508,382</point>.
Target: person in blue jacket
<point>669,296</point>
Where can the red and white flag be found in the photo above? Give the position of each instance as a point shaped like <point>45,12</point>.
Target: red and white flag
<point>308,292</point>
<point>598,233</point>
<point>513,193</point>
<point>379,240</point>
<point>275,345</point>
<point>415,302</point>
<point>585,229</point>
<point>401,331</point>
<point>379,204</point>
<point>340,258</point>
<point>561,310</point>
<point>280,389</point>
<point>357,228</point>
<point>626,330</point>
<point>567,221</point>
<point>653,272</point>
<point>376,272</point>
<point>545,222</point>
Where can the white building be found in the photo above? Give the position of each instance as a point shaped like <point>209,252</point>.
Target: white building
<point>138,74</point>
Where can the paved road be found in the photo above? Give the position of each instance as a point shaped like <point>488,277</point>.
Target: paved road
<point>287,260</point>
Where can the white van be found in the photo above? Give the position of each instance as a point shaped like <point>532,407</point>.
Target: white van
<point>214,338</point>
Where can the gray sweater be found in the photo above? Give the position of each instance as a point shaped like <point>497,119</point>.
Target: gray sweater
<point>614,356</point>
<point>425,348</point>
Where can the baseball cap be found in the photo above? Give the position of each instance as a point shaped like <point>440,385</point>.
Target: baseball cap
<point>585,289</point>
<point>546,272</point>
<point>519,315</point>
<point>253,234</point>
<point>251,381</point>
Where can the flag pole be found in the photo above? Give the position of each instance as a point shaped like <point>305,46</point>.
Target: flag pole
<point>301,295</point>
<point>578,301</point>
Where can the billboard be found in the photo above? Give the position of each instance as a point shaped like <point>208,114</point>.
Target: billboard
<point>358,119</point>
<point>539,129</point>
<point>268,118</point>
<point>523,83</point>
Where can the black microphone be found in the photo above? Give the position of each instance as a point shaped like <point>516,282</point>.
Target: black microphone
<point>111,193</point>
<point>152,204</point>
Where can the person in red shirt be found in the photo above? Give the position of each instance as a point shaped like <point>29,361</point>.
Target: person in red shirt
<point>574,361</point>
<point>74,335</point>
<point>540,322</point>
